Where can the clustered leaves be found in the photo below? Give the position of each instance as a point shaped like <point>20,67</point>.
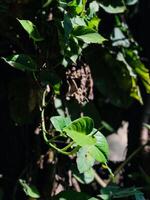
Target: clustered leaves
<point>92,145</point>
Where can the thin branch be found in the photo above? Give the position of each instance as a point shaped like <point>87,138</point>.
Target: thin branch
<point>126,161</point>
<point>99,180</point>
<point>44,131</point>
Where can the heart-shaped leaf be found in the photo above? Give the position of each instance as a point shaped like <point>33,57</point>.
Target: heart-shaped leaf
<point>84,160</point>
<point>60,122</point>
<point>79,131</point>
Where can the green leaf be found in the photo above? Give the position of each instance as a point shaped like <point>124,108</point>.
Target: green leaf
<point>30,191</point>
<point>83,125</point>
<point>31,29</point>
<point>87,35</point>
<point>92,38</point>
<point>118,192</point>
<point>113,7</point>
<point>98,151</point>
<point>84,178</point>
<point>60,122</point>
<point>89,176</point>
<point>77,20</point>
<point>82,30</point>
<point>131,2</point>
<point>79,129</point>
<point>101,143</point>
<point>143,73</point>
<point>84,160</point>
<point>135,90</point>
<point>119,39</point>
<point>21,61</point>
<point>97,154</point>
<point>76,7</point>
<point>93,23</point>
<point>79,138</point>
<point>93,8</point>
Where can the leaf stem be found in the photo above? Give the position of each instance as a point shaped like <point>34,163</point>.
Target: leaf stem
<point>63,151</point>
<point>68,146</point>
<point>126,161</point>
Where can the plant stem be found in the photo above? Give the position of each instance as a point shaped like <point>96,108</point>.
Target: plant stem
<point>99,180</point>
<point>126,161</point>
<point>63,151</point>
<point>68,146</point>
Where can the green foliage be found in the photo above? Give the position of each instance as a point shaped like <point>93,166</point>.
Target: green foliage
<point>115,192</point>
<point>31,29</point>
<point>92,144</point>
<point>113,7</point>
<point>60,122</point>
<point>63,38</point>
<point>79,131</point>
<point>131,2</point>
<point>30,191</point>
<point>80,28</point>
<point>84,160</point>
<point>21,62</point>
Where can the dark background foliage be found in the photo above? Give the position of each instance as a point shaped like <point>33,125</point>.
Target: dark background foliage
<point>20,148</point>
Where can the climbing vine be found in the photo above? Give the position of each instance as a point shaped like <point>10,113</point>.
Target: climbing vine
<point>72,68</point>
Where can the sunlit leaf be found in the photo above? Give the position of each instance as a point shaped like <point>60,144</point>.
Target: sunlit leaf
<point>113,7</point>
<point>84,160</point>
<point>93,8</point>
<point>102,144</point>
<point>143,73</point>
<point>76,6</point>
<point>22,62</point>
<point>30,191</point>
<point>60,122</point>
<point>131,2</point>
<point>92,38</point>
<point>31,29</point>
<point>97,154</point>
<point>89,176</point>
<point>93,23</point>
<point>77,20</point>
<point>79,131</point>
<point>135,90</point>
